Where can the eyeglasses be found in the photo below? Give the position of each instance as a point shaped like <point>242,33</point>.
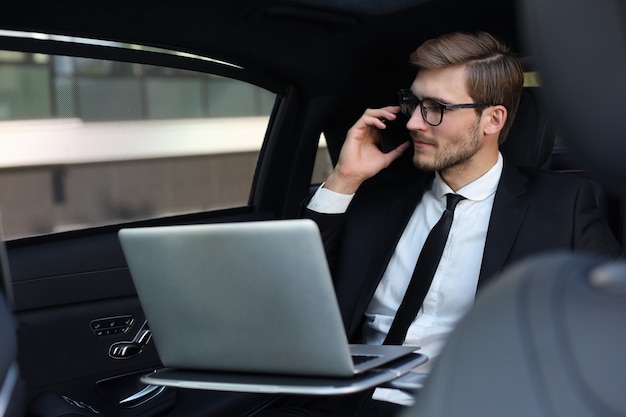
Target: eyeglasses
<point>432,110</point>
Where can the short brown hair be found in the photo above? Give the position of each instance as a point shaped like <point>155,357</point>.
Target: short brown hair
<point>493,74</point>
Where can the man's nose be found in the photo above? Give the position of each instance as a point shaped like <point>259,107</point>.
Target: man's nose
<point>416,121</point>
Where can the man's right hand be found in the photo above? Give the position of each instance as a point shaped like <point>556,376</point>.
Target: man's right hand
<point>360,157</point>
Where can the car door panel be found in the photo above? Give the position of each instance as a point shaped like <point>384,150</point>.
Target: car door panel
<point>61,288</point>
<point>74,300</point>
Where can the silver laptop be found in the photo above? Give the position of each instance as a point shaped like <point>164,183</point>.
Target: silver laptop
<point>252,297</point>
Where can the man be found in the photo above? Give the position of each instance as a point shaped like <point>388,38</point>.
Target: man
<point>461,106</point>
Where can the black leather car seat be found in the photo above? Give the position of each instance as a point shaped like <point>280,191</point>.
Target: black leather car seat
<point>532,135</point>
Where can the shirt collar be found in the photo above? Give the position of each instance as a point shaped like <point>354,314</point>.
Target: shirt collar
<point>477,190</point>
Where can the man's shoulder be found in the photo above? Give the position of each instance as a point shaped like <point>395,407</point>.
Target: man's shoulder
<point>547,178</point>
<point>551,185</point>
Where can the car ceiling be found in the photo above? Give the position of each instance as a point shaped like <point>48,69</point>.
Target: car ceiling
<point>319,45</point>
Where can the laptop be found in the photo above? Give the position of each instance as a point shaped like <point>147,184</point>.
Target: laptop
<point>251,297</point>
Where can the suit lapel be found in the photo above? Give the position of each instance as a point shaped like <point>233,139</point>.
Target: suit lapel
<point>509,208</point>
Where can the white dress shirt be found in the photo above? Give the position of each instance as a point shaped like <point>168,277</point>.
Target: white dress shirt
<point>453,288</point>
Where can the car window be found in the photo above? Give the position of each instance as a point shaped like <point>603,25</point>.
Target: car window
<point>323,164</point>
<point>90,142</point>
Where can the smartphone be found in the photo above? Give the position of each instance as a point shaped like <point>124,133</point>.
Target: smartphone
<point>394,134</point>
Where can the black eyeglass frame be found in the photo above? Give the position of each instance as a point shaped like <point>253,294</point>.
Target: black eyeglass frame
<point>405,97</point>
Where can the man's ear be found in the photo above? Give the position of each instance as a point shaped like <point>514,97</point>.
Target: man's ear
<point>494,118</point>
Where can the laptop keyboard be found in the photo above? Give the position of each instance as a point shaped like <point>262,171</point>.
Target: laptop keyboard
<point>359,359</point>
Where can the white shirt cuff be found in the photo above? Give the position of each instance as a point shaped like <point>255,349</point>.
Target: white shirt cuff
<point>329,202</point>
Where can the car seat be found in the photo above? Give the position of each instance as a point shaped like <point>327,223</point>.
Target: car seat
<point>546,339</point>
<point>532,135</point>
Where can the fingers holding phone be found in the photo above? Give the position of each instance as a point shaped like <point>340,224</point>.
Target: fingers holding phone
<point>361,156</point>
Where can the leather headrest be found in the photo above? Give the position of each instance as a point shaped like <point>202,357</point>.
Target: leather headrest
<point>531,138</point>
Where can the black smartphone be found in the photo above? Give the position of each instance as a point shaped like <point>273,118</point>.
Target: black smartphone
<point>394,134</point>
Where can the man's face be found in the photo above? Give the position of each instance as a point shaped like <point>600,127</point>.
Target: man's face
<point>458,137</point>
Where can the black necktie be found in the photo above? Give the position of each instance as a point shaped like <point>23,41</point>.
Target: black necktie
<point>423,273</point>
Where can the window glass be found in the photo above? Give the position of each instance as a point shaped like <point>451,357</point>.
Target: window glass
<point>89,142</point>
<point>323,165</point>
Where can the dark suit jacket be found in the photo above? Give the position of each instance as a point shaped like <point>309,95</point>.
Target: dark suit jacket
<point>533,211</point>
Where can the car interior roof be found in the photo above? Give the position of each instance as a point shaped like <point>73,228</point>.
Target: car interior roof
<point>318,45</point>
